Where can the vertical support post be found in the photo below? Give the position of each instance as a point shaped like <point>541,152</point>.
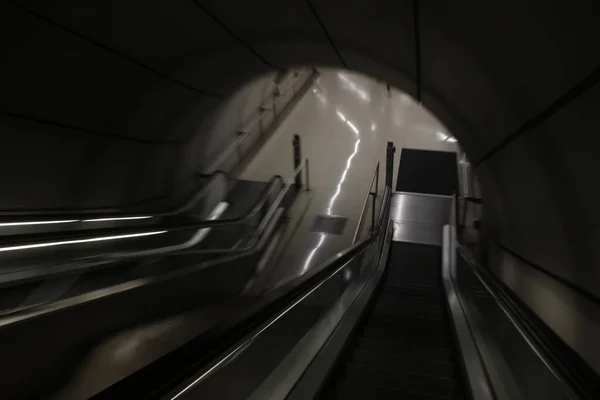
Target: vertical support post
<point>307,174</point>
<point>374,198</point>
<point>297,159</point>
<point>389,164</point>
<point>377,180</point>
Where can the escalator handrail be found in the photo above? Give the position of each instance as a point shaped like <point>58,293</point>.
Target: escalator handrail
<point>51,236</point>
<point>50,215</point>
<point>78,265</point>
<point>302,287</point>
<point>255,238</point>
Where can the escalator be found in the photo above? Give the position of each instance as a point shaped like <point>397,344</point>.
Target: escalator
<point>124,292</point>
<point>404,347</point>
<point>384,319</point>
<point>247,203</point>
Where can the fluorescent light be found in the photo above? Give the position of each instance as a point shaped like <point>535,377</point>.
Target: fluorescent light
<point>78,241</point>
<point>25,223</point>
<point>117,219</point>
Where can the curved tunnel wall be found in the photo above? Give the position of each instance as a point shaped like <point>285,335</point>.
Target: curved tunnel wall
<point>100,98</point>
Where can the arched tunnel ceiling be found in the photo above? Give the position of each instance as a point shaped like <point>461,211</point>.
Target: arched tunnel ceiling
<point>99,97</point>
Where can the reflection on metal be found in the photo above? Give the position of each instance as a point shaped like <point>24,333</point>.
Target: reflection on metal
<point>418,218</point>
<point>475,372</point>
<point>27,223</point>
<point>422,209</point>
<point>78,241</point>
<point>68,221</point>
<point>312,253</point>
<point>118,218</point>
<point>417,233</point>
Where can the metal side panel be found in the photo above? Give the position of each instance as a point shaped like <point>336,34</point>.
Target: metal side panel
<point>475,372</point>
<point>418,218</point>
<point>301,374</point>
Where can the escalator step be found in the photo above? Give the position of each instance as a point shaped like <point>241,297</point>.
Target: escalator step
<point>404,347</point>
<point>396,362</point>
<point>349,390</point>
<point>395,308</point>
<point>391,379</point>
<point>420,349</point>
<point>404,330</point>
<point>406,319</point>
<point>399,291</point>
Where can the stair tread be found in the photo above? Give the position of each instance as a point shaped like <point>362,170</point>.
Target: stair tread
<point>423,351</point>
<point>353,390</point>
<point>368,374</point>
<point>395,363</point>
<point>404,347</point>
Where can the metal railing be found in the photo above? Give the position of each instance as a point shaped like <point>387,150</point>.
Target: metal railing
<point>373,196</point>
<point>476,376</point>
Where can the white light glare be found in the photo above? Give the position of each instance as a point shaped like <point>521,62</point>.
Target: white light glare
<point>354,128</point>
<point>78,241</point>
<point>68,221</point>
<point>373,126</point>
<point>441,136</point>
<point>445,138</point>
<point>117,219</point>
<point>342,116</point>
<point>354,87</point>
<point>65,221</point>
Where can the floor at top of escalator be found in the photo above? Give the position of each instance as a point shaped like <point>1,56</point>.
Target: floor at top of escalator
<point>404,347</point>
